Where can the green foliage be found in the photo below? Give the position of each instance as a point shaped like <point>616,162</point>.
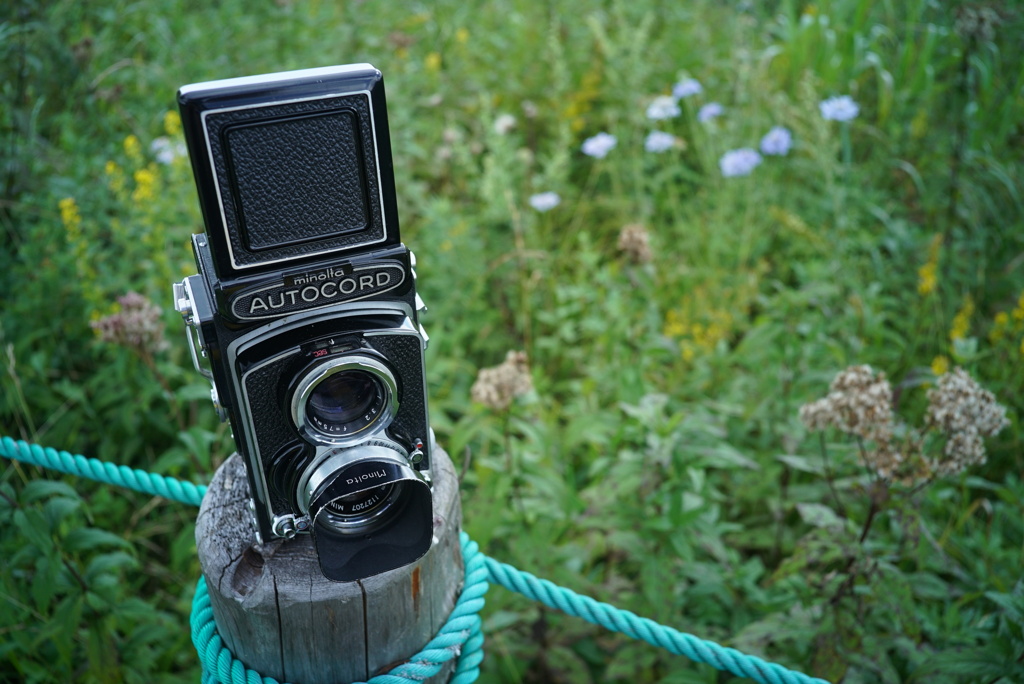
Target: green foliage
<point>659,462</point>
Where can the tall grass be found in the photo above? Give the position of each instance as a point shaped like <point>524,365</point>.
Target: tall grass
<point>658,462</point>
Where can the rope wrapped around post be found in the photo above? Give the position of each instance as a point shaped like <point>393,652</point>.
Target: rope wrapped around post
<point>461,636</point>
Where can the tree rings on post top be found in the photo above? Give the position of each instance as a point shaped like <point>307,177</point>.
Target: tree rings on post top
<point>281,617</point>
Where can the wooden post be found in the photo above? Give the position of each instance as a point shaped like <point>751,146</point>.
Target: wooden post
<point>277,613</point>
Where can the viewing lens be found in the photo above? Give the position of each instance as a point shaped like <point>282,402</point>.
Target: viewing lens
<point>344,399</point>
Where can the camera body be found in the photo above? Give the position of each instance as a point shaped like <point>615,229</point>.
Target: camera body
<point>306,309</point>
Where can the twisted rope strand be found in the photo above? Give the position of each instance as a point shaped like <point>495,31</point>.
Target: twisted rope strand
<point>103,471</point>
<point>630,624</point>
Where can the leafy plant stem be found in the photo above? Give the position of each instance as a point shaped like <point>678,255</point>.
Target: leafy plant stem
<point>959,151</point>
<point>840,508</point>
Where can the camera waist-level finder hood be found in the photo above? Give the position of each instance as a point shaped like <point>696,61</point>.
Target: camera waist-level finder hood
<point>291,168</point>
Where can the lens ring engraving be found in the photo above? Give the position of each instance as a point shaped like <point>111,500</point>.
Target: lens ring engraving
<point>357,490</point>
<point>344,400</point>
<point>366,509</point>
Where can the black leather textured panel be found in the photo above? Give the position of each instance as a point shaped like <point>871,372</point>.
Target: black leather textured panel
<point>270,410</point>
<point>298,180</point>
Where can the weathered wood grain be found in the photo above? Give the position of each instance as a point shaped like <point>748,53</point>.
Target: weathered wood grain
<point>281,617</point>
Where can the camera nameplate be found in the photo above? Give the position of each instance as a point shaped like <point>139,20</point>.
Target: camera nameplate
<point>316,289</point>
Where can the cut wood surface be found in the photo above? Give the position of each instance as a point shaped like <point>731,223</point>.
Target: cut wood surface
<point>281,617</point>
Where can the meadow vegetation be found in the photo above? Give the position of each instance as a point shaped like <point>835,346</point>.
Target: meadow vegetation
<point>665,298</point>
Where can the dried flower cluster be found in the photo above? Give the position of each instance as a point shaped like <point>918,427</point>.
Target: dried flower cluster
<point>635,243</point>
<point>496,387</point>
<point>859,403</point>
<point>977,23</point>
<point>964,412</point>
<point>136,325</point>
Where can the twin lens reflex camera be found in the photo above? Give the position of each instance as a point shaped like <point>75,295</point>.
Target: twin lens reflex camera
<point>305,307</point>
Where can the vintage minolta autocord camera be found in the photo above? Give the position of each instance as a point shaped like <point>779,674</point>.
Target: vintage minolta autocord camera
<point>306,308</point>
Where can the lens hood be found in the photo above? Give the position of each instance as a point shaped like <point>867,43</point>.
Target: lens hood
<point>390,523</point>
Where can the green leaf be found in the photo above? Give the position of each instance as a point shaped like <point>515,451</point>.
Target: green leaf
<point>91,538</point>
<point>107,562</point>
<point>820,515</point>
<point>58,508</point>
<point>33,525</point>
<point>40,489</point>
<point>804,464</point>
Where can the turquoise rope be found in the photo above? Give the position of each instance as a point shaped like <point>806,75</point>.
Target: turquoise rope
<point>104,471</point>
<point>623,621</point>
<point>461,635</point>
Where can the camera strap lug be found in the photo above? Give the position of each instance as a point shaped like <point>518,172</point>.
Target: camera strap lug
<point>288,525</point>
<point>183,305</point>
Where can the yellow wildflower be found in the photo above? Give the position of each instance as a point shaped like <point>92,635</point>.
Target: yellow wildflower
<point>582,101</point>
<point>172,123</point>
<point>962,321</point>
<point>69,214</point>
<point>675,324</point>
<point>462,36</point>
<point>999,326</point>
<point>418,19</point>
<point>926,279</point>
<point>433,62</point>
<point>145,184</point>
<point>1018,312</point>
<point>133,148</point>
<point>115,176</point>
<point>940,365</point>
<point>927,275</point>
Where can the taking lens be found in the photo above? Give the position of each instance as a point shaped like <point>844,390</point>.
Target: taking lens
<point>344,398</point>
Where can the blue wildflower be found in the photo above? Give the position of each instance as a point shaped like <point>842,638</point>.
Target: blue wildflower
<point>709,112</point>
<point>777,141</point>
<point>839,108</point>
<point>739,162</point>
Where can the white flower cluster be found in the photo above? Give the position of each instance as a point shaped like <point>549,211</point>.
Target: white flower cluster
<point>599,145</point>
<point>663,107</point>
<point>545,201</point>
<point>965,412</point>
<point>166,150</point>
<point>496,387</point>
<point>137,325</point>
